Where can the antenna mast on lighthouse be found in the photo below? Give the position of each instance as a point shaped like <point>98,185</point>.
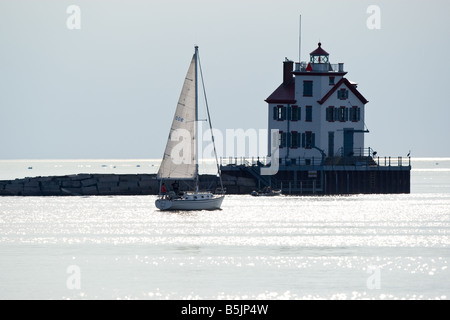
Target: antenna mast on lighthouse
<point>300,40</point>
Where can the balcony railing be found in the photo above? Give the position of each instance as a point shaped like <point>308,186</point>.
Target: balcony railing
<point>319,67</point>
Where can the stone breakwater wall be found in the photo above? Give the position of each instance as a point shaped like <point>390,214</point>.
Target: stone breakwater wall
<point>81,184</point>
<point>112,184</point>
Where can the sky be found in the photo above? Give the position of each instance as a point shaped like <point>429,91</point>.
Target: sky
<point>108,90</point>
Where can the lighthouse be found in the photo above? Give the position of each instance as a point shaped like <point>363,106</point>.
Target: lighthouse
<point>317,111</point>
<point>316,138</point>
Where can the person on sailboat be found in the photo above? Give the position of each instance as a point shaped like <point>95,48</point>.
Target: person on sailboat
<point>163,190</point>
<point>176,188</point>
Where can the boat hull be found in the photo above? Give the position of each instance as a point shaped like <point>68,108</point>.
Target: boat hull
<point>189,204</point>
<point>266,194</point>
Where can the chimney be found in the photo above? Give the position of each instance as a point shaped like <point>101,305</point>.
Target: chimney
<point>341,67</point>
<point>288,67</point>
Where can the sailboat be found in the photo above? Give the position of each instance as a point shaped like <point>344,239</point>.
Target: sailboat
<point>180,160</point>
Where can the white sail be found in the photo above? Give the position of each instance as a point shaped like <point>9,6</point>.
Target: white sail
<point>179,156</point>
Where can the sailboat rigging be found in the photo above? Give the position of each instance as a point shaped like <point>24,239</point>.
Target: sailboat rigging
<point>180,160</point>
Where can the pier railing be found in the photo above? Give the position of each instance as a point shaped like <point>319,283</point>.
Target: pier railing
<point>393,161</point>
<point>356,152</point>
<point>359,160</point>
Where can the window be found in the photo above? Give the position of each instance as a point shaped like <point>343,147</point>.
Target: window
<point>355,114</point>
<point>295,113</point>
<point>342,94</point>
<point>342,114</point>
<point>308,117</point>
<point>307,88</point>
<point>330,114</point>
<point>308,140</point>
<point>331,81</point>
<point>279,113</point>
<point>295,139</point>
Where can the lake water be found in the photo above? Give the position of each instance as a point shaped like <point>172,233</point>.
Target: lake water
<point>334,247</point>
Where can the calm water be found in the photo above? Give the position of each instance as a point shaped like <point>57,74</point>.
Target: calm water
<point>348,247</point>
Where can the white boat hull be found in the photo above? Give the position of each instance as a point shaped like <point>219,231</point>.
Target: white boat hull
<point>181,204</point>
<point>266,194</point>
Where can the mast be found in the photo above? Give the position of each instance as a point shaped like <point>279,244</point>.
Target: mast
<point>300,40</point>
<point>196,120</point>
<point>210,124</point>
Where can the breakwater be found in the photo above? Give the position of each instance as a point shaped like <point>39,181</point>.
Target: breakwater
<point>237,179</point>
<point>113,184</point>
<point>80,184</point>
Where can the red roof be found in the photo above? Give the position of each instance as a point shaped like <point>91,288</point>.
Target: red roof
<point>319,51</point>
<point>349,86</point>
<point>283,94</point>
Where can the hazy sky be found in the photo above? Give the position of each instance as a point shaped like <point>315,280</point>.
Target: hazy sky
<point>109,89</point>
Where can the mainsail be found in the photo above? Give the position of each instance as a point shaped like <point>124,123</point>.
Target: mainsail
<point>179,156</point>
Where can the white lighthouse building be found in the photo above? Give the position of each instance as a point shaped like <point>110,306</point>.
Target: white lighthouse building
<point>319,113</point>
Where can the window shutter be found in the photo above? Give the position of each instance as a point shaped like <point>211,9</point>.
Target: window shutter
<point>275,113</point>
<point>331,113</point>
<point>303,140</point>
<point>289,113</point>
<point>346,114</point>
<point>283,140</point>
<point>313,139</point>
<point>358,114</point>
<point>294,113</point>
<point>283,113</point>
<point>288,139</point>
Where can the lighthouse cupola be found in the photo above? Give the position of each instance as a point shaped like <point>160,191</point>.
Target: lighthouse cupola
<point>319,60</point>
<point>319,55</point>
